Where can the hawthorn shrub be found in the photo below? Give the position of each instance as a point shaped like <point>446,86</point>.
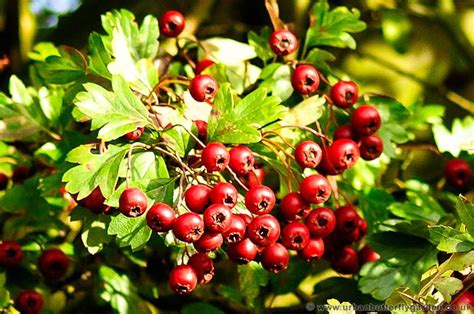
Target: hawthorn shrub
<point>216,175</point>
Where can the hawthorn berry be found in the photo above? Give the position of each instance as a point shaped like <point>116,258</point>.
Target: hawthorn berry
<point>308,154</point>
<point>458,173</point>
<point>344,131</point>
<point>188,227</point>
<point>247,218</point>
<point>224,193</point>
<point>347,219</point>
<point>134,135</point>
<point>344,94</point>
<point>242,252</point>
<point>95,202</point>
<point>217,218</point>
<point>366,254</point>
<point>253,178</point>
<point>53,264</point>
<point>362,226</point>
<point>260,200</point>
<point>201,127</point>
<point>315,189</point>
<point>203,266</point>
<point>241,160</point>
<point>283,42</point>
<point>343,154</point>
<point>160,217</point>
<point>326,167</point>
<point>465,299</point>
<point>236,231</point>
<point>313,250</point>
<point>264,230</point>
<point>295,235</point>
<point>321,222</point>
<point>202,65</point>
<point>133,202</point>
<point>3,181</point>
<point>203,87</point>
<point>171,23</point>
<point>365,120</point>
<point>197,198</point>
<point>371,147</point>
<point>11,254</point>
<point>275,258</point>
<point>305,79</point>
<point>209,242</point>
<point>29,302</point>
<point>293,207</point>
<point>345,260</point>
<point>183,279</point>
<point>215,157</point>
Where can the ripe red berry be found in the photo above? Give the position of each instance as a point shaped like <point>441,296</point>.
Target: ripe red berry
<point>29,302</point>
<point>188,227</point>
<point>201,127</point>
<point>247,218</point>
<point>197,198</point>
<point>53,264</point>
<point>236,231</point>
<point>345,261</point>
<point>283,42</point>
<point>347,219</point>
<point>313,250</point>
<point>241,160</point>
<point>242,252</point>
<point>344,131</point>
<point>326,167</point>
<point>3,181</point>
<point>365,120</point>
<point>217,218</point>
<point>366,254</point>
<point>209,242</point>
<point>458,173</point>
<point>95,202</point>
<point>315,189</point>
<point>308,154</point>
<point>254,177</point>
<point>225,194</point>
<point>134,135</point>
<point>203,266</point>
<point>160,217</point>
<point>305,79</point>
<point>464,300</point>
<point>344,94</point>
<point>11,254</point>
<point>321,222</point>
<point>133,202</point>
<point>343,154</point>
<point>362,226</point>
<point>203,87</point>
<point>371,147</point>
<point>264,230</point>
<point>202,65</point>
<point>295,236</point>
<point>171,24</point>
<point>275,258</point>
<point>293,207</point>
<point>215,157</point>
<point>260,200</point>
<point>183,279</point>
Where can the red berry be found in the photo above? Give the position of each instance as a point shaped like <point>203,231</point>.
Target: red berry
<point>217,218</point>
<point>362,227</point>
<point>458,173</point>
<point>321,222</point>
<point>293,207</point>
<point>343,154</point>
<point>283,42</point>
<point>371,147</point>
<point>344,131</point>
<point>264,230</point>
<point>160,217</point>
<point>188,227</point>
<point>347,219</point>
<point>201,127</point>
<point>209,242</point>
<point>345,261</point>
<point>326,167</point>
<point>242,252</point>
<point>260,200</point>
<point>225,194</point>
<point>11,254</point>
<point>133,202</point>
<point>95,202</point>
<point>313,250</point>
<point>308,154</point>
<point>275,258</point>
<point>29,302</point>
<point>203,266</point>
<point>366,254</point>
<point>241,160</point>
<point>236,231</point>
<point>134,135</point>
<point>215,157</point>
<point>344,94</point>
<point>197,198</point>
<point>315,189</point>
<point>3,181</point>
<point>305,79</point>
<point>295,236</point>
<point>203,87</point>
<point>202,65</point>
<point>53,264</point>
<point>465,299</point>
<point>365,120</point>
<point>253,178</point>
<point>247,218</point>
<point>171,23</point>
<point>183,279</point>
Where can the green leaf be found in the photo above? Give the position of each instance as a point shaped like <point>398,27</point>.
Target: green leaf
<point>133,232</point>
<point>149,33</point>
<point>251,277</point>
<point>374,203</point>
<point>451,240</point>
<point>291,278</point>
<point>19,92</point>
<point>277,78</point>
<point>319,58</point>
<point>448,286</point>
<point>43,50</point>
<point>51,103</point>
<point>418,207</point>
<point>161,190</point>
<point>260,43</point>
<point>456,140</point>
<point>342,289</point>
<point>465,211</point>
<point>68,67</point>
<point>228,51</point>
<point>99,58</point>
<point>306,112</point>
<point>94,229</point>
<point>145,165</point>
<point>200,307</point>
<point>396,29</point>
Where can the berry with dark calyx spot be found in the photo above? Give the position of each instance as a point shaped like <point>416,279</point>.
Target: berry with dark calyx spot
<point>20,174</point>
<point>134,135</point>
<point>242,252</point>
<point>260,200</point>
<point>308,154</point>
<point>209,242</point>
<point>343,154</point>
<point>293,207</point>
<point>321,222</point>
<point>29,302</point>
<point>3,181</point>
<point>366,254</point>
<point>217,218</point>
<point>345,261</point>
<point>264,230</point>
<point>241,160</point>
<point>344,131</point>
<point>365,120</point>
<point>236,231</point>
<point>171,23</point>
<point>202,65</point>
<point>347,219</point>
<point>201,127</point>
<point>215,157</point>
<point>11,254</point>
<point>133,202</point>
<point>326,167</point>
<point>197,198</point>
<point>160,217</point>
<point>305,79</point>
<point>204,267</point>
<point>458,173</point>
<point>183,279</point>
<point>314,250</point>
<point>283,42</point>
<point>371,147</point>
<point>203,87</point>
<point>295,235</point>
<point>253,178</point>
<point>53,264</point>
<point>344,94</point>
<point>315,189</point>
<point>275,258</point>
<point>95,202</point>
<point>188,227</point>
<point>225,194</point>
<point>247,218</point>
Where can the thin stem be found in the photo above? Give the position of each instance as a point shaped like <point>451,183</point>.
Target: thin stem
<point>234,175</point>
<point>281,137</point>
<point>129,160</point>
<point>429,147</point>
<point>305,128</point>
